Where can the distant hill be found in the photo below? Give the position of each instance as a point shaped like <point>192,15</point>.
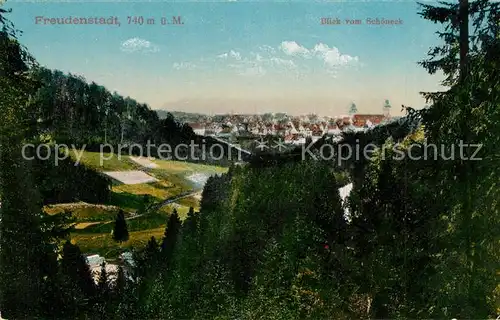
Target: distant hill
<point>71,110</point>
<point>186,117</point>
<point>182,116</point>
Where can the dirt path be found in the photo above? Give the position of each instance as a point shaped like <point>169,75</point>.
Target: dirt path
<point>178,197</point>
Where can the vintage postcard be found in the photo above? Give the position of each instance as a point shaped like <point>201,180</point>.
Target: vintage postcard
<point>249,159</point>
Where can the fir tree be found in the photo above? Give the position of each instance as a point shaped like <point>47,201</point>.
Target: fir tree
<point>145,204</point>
<point>75,266</point>
<point>145,272</point>
<point>103,302</point>
<point>470,65</point>
<point>22,249</point>
<point>152,249</point>
<point>170,236</point>
<point>120,231</point>
<point>120,283</point>
<point>146,260</point>
<point>77,290</point>
<point>191,212</point>
<point>103,283</point>
<point>191,223</point>
<point>123,296</point>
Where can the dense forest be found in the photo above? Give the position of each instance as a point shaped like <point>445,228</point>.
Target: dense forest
<point>69,110</point>
<point>273,239</point>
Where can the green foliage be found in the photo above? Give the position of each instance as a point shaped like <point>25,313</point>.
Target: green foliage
<point>89,114</point>
<point>145,222</point>
<point>84,212</point>
<point>110,161</point>
<point>103,286</point>
<point>22,247</point>
<point>77,289</point>
<point>169,241</point>
<point>468,257</point>
<point>271,240</point>
<point>56,182</point>
<point>217,254</point>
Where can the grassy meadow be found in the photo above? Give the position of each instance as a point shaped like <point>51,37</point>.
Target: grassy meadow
<point>95,222</point>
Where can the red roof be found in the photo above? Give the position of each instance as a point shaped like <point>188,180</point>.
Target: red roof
<point>196,125</point>
<point>360,119</point>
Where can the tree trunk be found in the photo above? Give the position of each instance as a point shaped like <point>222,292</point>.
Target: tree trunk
<point>463,14</point>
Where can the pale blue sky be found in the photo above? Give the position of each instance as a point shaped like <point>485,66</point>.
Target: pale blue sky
<point>240,56</point>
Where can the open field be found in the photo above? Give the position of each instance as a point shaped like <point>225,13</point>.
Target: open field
<point>95,222</point>
<point>188,167</point>
<point>199,178</point>
<point>104,245</point>
<point>126,200</point>
<point>130,177</point>
<point>159,190</point>
<point>115,163</point>
<point>145,162</point>
<point>85,212</point>
<point>189,202</point>
<point>182,211</point>
<point>145,222</point>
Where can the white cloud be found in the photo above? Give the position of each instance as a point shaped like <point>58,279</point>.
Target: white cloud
<point>231,54</point>
<point>287,58</point>
<point>268,49</point>
<point>253,71</point>
<point>184,66</point>
<point>332,56</point>
<point>332,72</point>
<point>258,63</point>
<point>283,62</point>
<point>138,45</point>
<point>258,57</point>
<point>251,65</point>
<point>293,48</point>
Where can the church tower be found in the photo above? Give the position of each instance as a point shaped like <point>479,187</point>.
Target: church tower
<point>353,109</point>
<point>387,109</point>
